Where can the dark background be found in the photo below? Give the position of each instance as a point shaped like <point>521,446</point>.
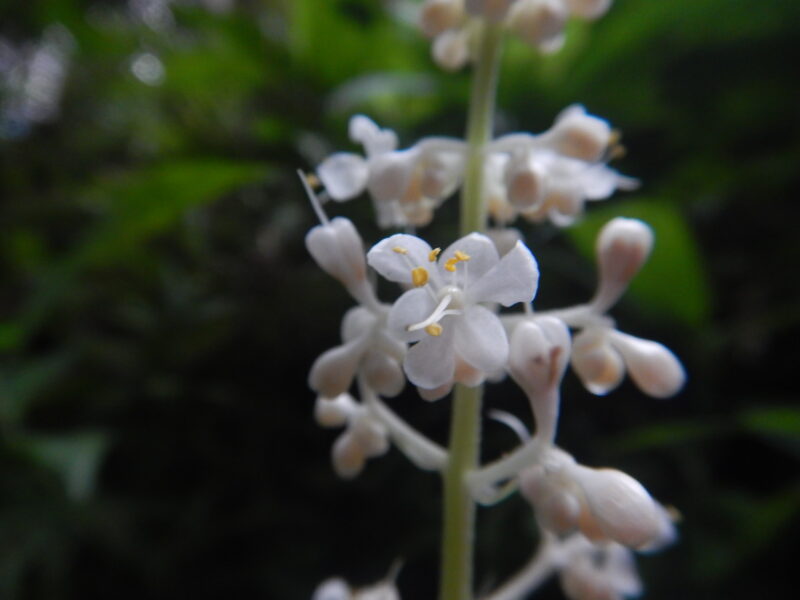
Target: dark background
<point>159,312</point>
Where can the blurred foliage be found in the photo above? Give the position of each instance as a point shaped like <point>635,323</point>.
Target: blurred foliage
<point>158,311</point>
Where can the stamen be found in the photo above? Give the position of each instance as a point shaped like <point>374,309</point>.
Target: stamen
<point>450,264</point>
<point>309,181</point>
<point>419,276</point>
<point>400,250</point>
<point>434,329</point>
<point>437,314</point>
<point>434,254</point>
<point>462,256</point>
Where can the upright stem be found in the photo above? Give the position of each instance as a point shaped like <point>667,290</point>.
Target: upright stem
<point>465,424</point>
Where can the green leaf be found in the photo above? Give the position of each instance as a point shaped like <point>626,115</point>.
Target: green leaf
<point>776,420</point>
<point>20,386</point>
<point>74,457</point>
<point>672,283</point>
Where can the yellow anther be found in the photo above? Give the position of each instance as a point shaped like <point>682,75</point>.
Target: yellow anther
<point>313,180</point>
<point>462,256</point>
<point>450,265</point>
<point>400,250</point>
<point>419,276</point>
<point>434,254</point>
<point>434,329</point>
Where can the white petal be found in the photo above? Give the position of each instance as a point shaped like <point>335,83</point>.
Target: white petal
<point>430,363</point>
<point>483,256</point>
<point>412,307</point>
<point>332,589</point>
<point>334,412</point>
<point>383,374</point>
<point>514,279</point>
<point>338,249</point>
<point>596,363</point>
<point>344,175</point>
<point>332,373</point>
<point>374,139</point>
<point>394,257</point>
<point>348,456</point>
<point>390,174</point>
<point>356,322</point>
<point>481,340</point>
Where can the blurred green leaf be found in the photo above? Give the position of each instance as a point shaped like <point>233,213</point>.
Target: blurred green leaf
<point>672,283</point>
<point>74,457</point>
<point>19,386</point>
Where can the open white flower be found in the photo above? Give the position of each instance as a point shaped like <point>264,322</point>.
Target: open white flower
<point>443,312</point>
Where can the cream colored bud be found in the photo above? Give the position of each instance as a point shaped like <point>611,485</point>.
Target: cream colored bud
<point>588,9</point>
<point>621,507</point>
<point>334,412</point>
<point>437,16</point>
<point>623,246</point>
<point>338,249</point>
<point>652,366</point>
<point>332,373</point>
<point>558,511</point>
<point>348,456</point>
<point>370,435</point>
<point>538,22</point>
<point>526,181</point>
<point>579,135</point>
<point>451,49</point>
<point>383,374</point>
<point>596,363</point>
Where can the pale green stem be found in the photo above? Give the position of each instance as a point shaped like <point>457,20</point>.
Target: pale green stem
<point>465,424</point>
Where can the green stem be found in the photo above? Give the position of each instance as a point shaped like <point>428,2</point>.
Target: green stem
<point>465,424</point>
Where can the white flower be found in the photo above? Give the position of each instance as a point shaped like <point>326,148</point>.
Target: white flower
<point>406,186</point>
<point>443,312</point>
<point>604,571</point>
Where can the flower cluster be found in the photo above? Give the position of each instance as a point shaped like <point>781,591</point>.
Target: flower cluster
<point>540,177</point>
<point>539,23</point>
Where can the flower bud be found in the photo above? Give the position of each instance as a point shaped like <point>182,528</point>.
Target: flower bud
<point>525,180</point>
<point>538,22</point>
<point>588,9</point>
<point>383,374</point>
<point>558,511</point>
<point>338,249</point>
<point>370,435</point>
<point>579,135</point>
<point>652,366</point>
<point>564,204</point>
<point>332,373</point>
<point>620,506</point>
<point>451,49</point>
<point>334,412</point>
<point>596,363</point>
<point>332,589</point>
<point>389,175</point>
<point>437,16</point>
<point>539,352</point>
<point>348,456</point>
<point>441,175</point>
<point>622,247</point>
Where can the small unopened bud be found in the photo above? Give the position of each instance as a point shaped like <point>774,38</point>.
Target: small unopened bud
<point>451,49</point>
<point>332,589</point>
<point>621,507</point>
<point>332,373</point>
<point>437,16</point>
<point>588,9</point>
<point>525,180</point>
<point>580,135</point>
<point>538,22</point>
<point>338,249</point>
<point>370,435</point>
<point>334,412</point>
<point>564,204</point>
<point>348,456</point>
<point>652,366</point>
<point>623,246</point>
<point>383,374</point>
<point>596,363</point>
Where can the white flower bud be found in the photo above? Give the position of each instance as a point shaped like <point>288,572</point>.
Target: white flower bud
<point>600,572</point>
<point>620,506</point>
<point>390,174</point>
<point>437,16</point>
<point>564,204</point>
<point>332,589</point>
<point>370,435</point>
<point>596,363</point>
<point>338,249</point>
<point>525,180</point>
<point>334,412</point>
<point>652,366</point>
<point>588,9</point>
<point>344,175</point>
<point>622,247</point>
<point>348,456</point>
<point>451,49</point>
<point>579,135</point>
<point>558,511</point>
<point>491,10</point>
<point>538,22</point>
<point>441,174</point>
<point>383,374</point>
<point>332,373</point>
<point>539,352</point>
<point>375,140</point>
